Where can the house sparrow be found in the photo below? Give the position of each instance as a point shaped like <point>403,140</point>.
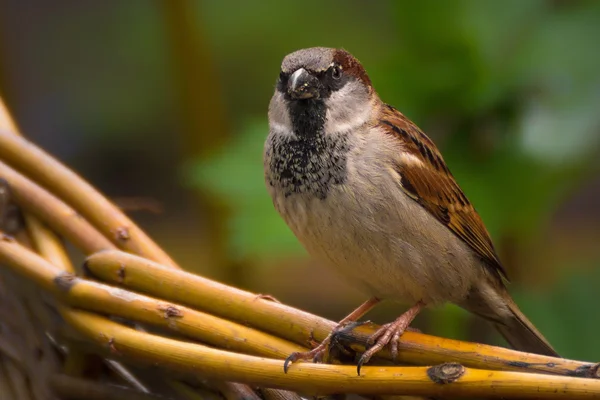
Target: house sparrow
<point>369,194</point>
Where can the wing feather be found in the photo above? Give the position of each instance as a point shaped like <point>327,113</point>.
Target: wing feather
<point>431,184</point>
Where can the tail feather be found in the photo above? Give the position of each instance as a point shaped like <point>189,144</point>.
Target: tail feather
<point>522,335</point>
<point>496,305</point>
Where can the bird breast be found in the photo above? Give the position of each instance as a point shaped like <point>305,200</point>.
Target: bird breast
<point>343,201</point>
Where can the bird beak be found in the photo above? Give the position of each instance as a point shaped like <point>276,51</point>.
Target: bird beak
<point>303,85</point>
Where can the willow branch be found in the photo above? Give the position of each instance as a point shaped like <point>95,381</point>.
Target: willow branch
<point>128,235</point>
<point>319,379</point>
<point>298,326</point>
<point>53,211</point>
<point>88,202</point>
<point>206,295</point>
<point>52,249</point>
<point>49,245</point>
<point>189,358</point>
<point>45,241</point>
<point>43,238</point>
<point>6,121</point>
<point>316,379</point>
<point>110,300</point>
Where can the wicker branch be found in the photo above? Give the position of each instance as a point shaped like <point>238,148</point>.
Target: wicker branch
<point>86,200</point>
<point>195,291</point>
<point>48,244</point>
<point>45,206</point>
<point>177,303</point>
<point>319,379</point>
<point>316,379</point>
<point>104,299</point>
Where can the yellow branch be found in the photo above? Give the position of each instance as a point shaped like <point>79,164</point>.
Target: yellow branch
<point>298,326</point>
<point>46,242</point>
<point>54,212</point>
<point>67,185</point>
<point>50,246</point>
<point>180,287</point>
<point>135,240</point>
<point>110,300</point>
<point>320,379</point>
<point>313,378</point>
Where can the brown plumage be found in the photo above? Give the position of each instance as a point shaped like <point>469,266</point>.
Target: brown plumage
<point>369,194</point>
<point>433,186</point>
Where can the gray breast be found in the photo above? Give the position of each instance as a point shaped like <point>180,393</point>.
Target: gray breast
<point>310,165</point>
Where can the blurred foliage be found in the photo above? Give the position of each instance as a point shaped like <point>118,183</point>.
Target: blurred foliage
<point>508,90</point>
<point>500,81</point>
<point>567,316</point>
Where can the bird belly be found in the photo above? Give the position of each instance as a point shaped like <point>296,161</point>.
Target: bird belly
<point>382,241</point>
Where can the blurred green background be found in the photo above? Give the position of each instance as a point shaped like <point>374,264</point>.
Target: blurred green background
<point>166,101</point>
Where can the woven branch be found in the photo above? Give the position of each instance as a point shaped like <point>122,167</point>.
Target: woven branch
<point>199,335</point>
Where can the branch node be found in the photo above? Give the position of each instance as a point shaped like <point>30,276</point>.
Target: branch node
<point>588,371</point>
<point>121,273</point>
<point>595,371</point>
<point>122,234</point>
<point>112,347</point>
<point>65,281</point>
<point>267,297</point>
<point>171,311</point>
<point>445,373</point>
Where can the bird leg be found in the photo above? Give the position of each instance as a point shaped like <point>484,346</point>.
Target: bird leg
<point>316,353</point>
<point>389,334</point>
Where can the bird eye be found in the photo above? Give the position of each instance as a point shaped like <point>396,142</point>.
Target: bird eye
<point>336,72</point>
<point>281,76</point>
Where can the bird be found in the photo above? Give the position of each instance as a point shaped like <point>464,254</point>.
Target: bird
<point>368,194</point>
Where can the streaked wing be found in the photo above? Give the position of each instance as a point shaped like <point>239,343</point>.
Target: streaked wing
<point>430,183</point>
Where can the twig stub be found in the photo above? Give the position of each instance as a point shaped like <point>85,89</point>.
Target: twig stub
<point>588,371</point>
<point>445,373</point>
<point>65,281</point>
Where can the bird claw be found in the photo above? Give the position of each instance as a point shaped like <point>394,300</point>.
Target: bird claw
<point>377,334</point>
<point>290,360</point>
<point>378,341</point>
<point>315,354</point>
<point>387,334</point>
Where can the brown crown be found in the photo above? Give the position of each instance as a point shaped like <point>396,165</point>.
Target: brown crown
<point>351,65</point>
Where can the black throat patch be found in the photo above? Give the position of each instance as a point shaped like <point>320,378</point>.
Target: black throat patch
<point>311,162</point>
<point>308,116</point>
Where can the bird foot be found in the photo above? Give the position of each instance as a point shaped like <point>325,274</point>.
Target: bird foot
<point>388,334</point>
<point>316,354</point>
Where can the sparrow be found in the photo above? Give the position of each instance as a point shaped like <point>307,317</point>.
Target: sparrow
<point>368,194</point>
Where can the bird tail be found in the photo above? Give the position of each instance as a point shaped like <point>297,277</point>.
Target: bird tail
<point>512,324</point>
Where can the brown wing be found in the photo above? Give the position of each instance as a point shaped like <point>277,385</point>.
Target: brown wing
<point>432,185</point>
